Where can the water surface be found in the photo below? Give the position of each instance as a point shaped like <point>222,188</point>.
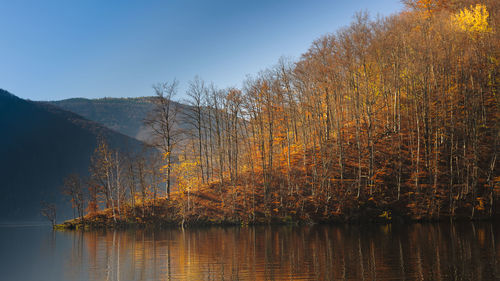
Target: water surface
<point>459,251</point>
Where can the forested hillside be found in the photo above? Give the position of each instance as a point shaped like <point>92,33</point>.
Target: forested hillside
<point>397,116</point>
<point>39,146</point>
<point>124,115</point>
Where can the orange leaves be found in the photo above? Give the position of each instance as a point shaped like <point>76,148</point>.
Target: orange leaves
<point>427,7</point>
<point>480,205</point>
<point>400,111</point>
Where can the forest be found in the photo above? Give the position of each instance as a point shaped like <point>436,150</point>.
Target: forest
<point>394,118</point>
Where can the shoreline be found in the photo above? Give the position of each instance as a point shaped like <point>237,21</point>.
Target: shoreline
<point>203,209</point>
<point>124,224</point>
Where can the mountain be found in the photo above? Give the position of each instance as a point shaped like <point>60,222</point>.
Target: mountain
<point>124,115</point>
<point>40,145</point>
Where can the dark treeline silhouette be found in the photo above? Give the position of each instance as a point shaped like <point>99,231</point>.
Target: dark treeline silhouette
<point>41,144</point>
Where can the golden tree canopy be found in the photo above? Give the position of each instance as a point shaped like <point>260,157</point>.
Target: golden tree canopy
<point>473,20</point>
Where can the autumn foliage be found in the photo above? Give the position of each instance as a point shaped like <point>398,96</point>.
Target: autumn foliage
<point>393,118</point>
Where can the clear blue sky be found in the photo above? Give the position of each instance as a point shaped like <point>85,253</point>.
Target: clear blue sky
<point>51,50</point>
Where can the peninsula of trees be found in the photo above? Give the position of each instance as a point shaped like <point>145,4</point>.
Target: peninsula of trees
<point>394,118</point>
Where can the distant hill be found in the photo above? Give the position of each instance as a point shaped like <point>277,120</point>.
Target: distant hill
<point>124,115</point>
<point>40,144</point>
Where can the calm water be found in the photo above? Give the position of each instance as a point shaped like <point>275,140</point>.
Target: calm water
<point>460,251</point>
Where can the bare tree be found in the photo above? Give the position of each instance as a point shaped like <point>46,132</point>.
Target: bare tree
<point>73,188</point>
<point>195,117</point>
<point>48,210</point>
<point>162,122</point>
<point>104,169</point>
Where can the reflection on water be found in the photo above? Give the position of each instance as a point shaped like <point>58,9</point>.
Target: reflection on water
<point>464,251</point>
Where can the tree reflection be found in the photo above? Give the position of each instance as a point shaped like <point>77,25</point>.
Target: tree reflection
<point>462,251</point>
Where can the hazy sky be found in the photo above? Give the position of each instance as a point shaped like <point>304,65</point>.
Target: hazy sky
<point>51,50</point>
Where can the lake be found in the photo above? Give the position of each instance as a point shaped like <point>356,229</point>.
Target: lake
<point>444,251</point>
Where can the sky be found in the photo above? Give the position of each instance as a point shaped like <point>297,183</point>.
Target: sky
<point>53,50</point>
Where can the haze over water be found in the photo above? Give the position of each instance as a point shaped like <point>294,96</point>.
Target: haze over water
<point>459,251</point>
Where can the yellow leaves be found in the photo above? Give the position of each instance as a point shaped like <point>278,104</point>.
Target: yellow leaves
<point>186,172</point>
<point>137,198</point>
<point>165,155</point>
<point>473,20</point>
<point>386,215</point>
